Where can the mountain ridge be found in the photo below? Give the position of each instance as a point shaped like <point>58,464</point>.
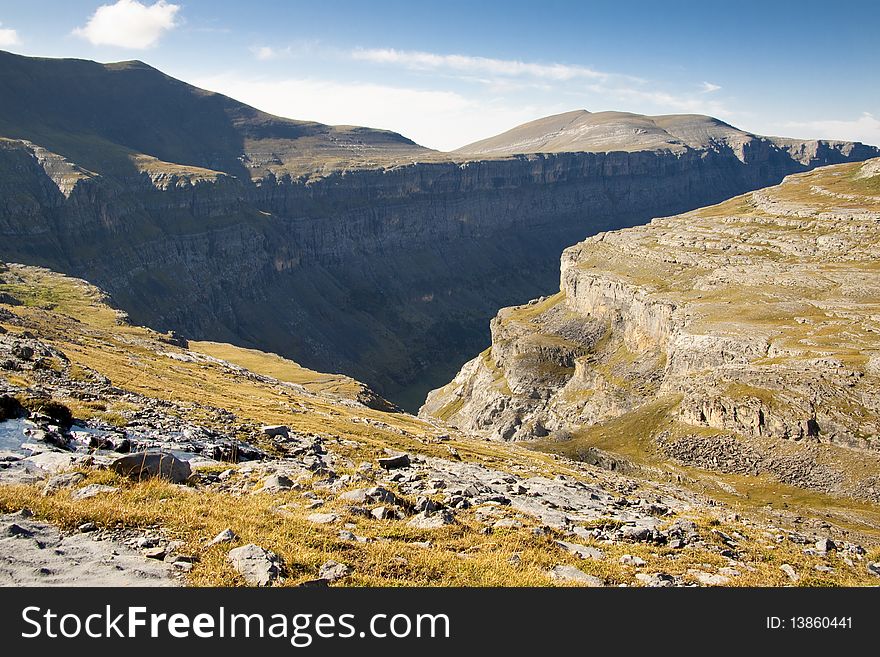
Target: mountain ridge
<point>581,130</point>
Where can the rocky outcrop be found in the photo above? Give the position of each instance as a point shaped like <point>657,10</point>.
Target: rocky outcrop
<point>753,320</point>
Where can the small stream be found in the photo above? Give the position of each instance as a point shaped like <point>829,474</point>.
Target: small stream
<point>12,436</point>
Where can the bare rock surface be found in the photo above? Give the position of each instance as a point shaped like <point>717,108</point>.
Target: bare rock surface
<point>258,566</point>
<point>34,553</point>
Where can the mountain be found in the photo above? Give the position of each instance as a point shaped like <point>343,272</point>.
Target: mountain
<point>583,131</point>
<point>739,338</point>
<point>106,117</point>
<point>346,249</point>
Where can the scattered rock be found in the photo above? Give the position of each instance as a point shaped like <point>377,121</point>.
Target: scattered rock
<point>708,579</point>
<point>333,570</point>
<point>507,523</point>
<point>273,430</point>
<point>567,573</point>
<point>630,560</point>
<point>382,513</point>
<point>226,536</point>
<point>874,568</point>
<point>636,534</point>
<point>825,545</point>
<point>582,551</point>
<point>395,461</point>
<point>144,465</point>
<point>276,483</point>
<point>426,504</point>
<point>435,520</point>
<point>92,490</point>
<point>790,572</point>
<point>258,566</point>
<point>322,518</point>
<point>87,527</point>
<point>14,529</point>
<point>656,580</point>
<point>155,553</point>
<point>358,496</point>
<point>66,480</point>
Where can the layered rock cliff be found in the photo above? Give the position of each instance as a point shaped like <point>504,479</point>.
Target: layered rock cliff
<point>740,337</point>
<point>348,249</point>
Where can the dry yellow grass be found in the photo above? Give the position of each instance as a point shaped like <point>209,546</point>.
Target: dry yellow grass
<point>73,317</point>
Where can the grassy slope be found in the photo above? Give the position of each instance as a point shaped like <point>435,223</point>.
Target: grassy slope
<point>74,317</point>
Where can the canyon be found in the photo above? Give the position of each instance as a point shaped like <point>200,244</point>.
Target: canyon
<point>347,249</point>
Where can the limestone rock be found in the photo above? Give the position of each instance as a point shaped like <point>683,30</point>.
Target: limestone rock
<point>426,520</point>
<point>582,551</point>
<point>144,465</point>
<point>395,461</point>
<point>258,566</point>
<point>66,480</point>
<point>92,490</point>
<point>333,570</point>
<point>322,518</point>
<point>226,536</point>
<point>276,483</point>
<point>567,573</point>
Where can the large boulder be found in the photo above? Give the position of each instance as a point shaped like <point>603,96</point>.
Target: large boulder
<point>258,566</point>
<point>145,465</point>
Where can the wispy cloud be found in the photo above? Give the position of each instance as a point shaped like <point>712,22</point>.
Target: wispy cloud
<point>865,128</point>
<point>599,89</point>
<point>303,48</point>
<point>129,24</point>
<point>424,61</point>
<point>266,53</point>
<point>8,37</point>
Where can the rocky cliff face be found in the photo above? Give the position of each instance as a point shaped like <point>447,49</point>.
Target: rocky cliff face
<point>386,274</point>
<point>348,249</point>
<point>749,328</point>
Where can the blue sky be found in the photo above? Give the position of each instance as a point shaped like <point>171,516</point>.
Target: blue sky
<point>447,73</point>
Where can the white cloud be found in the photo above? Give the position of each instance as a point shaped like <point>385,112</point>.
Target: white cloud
<point>443,120</point>
<point>129,24</point>
<point>8,37</point>
<point>708,87</point>
<point>649,101</point>
<point>865,128</point>
<point>421,61</point>
<point>265,53</point>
